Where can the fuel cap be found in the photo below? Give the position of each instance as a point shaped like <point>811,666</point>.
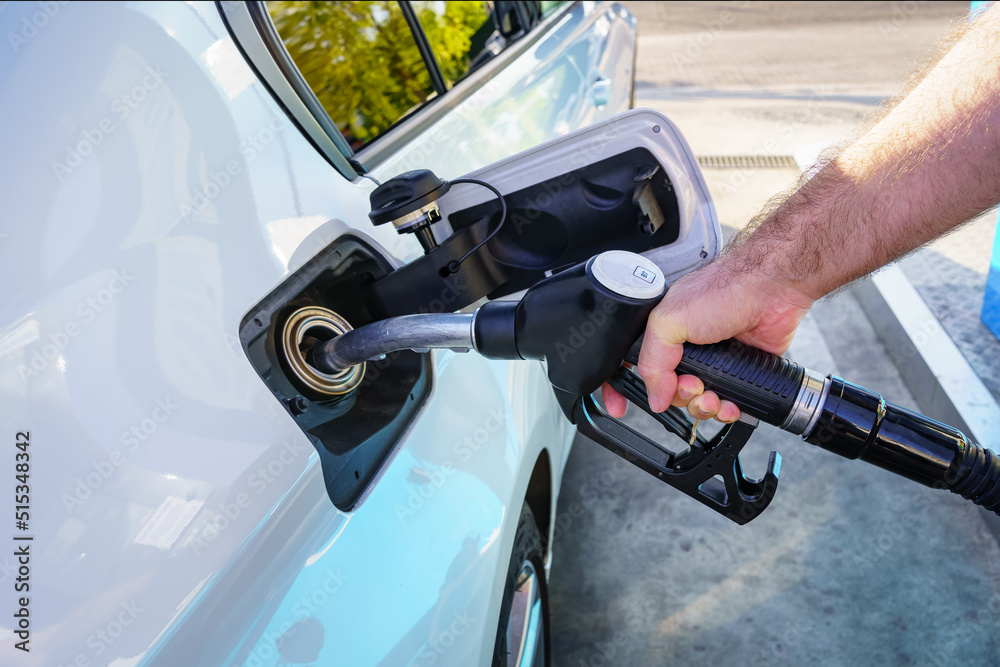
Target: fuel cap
<point>402,195</point>
<point>628,274</point>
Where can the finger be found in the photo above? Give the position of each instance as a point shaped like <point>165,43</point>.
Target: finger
<point>657,360</point>
<point>704,406</point>
<point>615,403</point>
<point>728,412</point>
<point>688,386</point>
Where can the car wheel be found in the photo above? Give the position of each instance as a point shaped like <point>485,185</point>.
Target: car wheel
<point>522,633</point>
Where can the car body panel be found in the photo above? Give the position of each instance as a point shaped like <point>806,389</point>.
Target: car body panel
<point>154,192</point>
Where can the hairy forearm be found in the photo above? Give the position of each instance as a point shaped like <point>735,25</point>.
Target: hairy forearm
<point>930,164</point>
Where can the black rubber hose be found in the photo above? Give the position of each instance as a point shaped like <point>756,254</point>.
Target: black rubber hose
<point>978,477</point>
<point>855,422</point>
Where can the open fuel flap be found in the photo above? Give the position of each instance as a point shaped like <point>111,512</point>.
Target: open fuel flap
<point>627,183</point>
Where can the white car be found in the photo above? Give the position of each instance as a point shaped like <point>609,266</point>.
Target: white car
<point>174,188</point>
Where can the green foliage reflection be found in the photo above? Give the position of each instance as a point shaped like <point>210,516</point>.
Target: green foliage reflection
<point>361,60</point>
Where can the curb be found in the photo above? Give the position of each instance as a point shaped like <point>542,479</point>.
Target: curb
<point>935,371</point>
<point>943,383</point>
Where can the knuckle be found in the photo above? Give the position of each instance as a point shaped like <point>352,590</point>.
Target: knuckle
<point>663,324</point>
<point>659,316</point>
<point>651,370</point>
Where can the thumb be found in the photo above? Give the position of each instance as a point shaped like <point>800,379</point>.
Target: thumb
<point>661,351</point>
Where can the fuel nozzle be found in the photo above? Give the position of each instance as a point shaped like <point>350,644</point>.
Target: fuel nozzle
<point>581,321</point>
<point>585,321</point>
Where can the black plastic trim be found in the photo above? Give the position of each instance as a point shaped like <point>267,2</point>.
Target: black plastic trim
<point>424,47</point>
<point>550,225</point>
<point>494,330</point>
<point>357,434</point>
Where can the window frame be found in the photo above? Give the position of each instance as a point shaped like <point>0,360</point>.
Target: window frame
<point>425,49</point>
<point>407,128</point>
<point>251,27</point>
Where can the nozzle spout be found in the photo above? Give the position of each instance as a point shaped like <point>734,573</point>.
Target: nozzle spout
<point>408,332</point>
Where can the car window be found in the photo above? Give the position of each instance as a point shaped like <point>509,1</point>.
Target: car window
<point>546,7</point>
<point>462,35</point>
<point>360,59</point>
<point>371,64</point>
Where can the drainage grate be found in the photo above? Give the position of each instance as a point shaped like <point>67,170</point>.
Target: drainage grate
<point>747,162</point>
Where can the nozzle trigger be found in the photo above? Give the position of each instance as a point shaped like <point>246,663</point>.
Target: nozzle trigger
<point>707,470</point>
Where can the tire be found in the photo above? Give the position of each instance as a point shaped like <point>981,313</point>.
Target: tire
<point>525,586</point>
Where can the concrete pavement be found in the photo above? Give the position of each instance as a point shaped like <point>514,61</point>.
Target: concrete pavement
<point>850,565</point>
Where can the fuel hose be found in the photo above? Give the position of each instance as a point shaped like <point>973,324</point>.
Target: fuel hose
<point>844,418</point>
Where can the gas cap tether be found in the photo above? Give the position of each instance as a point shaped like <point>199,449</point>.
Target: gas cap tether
<point>409,202</point>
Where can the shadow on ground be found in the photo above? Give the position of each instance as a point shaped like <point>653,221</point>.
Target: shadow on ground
<point>850,565</point>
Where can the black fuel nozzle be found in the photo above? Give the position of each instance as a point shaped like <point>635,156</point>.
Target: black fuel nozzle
<point>586,321</point>
<point>581,321</point>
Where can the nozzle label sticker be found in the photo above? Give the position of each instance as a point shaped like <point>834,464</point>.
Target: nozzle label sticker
<point>643,274</point>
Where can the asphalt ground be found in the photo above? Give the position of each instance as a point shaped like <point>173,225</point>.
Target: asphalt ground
<point>850,565</point>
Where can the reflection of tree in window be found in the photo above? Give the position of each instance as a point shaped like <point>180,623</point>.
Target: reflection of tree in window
<point>361,60</point>
<point>458,33</point>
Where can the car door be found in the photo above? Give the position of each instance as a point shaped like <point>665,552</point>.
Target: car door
<point>160,183</point>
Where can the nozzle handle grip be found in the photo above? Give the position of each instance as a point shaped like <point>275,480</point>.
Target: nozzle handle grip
<point>762,384</point>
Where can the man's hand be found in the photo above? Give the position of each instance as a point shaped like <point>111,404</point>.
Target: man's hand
<point>930,164</point>
<point>708,306</point>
